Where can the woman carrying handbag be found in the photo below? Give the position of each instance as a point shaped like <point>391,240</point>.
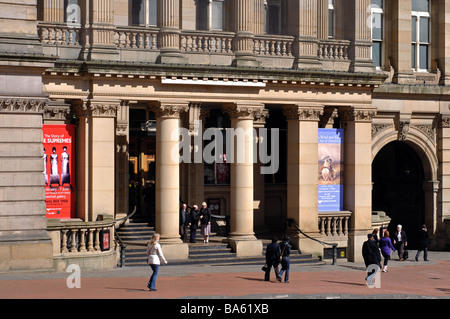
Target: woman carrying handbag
<point>285,259</point>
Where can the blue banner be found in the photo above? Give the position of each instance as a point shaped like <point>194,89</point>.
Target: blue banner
<point>331,170</point>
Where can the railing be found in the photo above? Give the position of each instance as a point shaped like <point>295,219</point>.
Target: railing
<point>122,245</point>
<point>206,42</point>
<point>271,45</point>
<point>333,223</point>
<point>333,50</point>
<point>291,222</point>
<point>136,38</point>
<point>58,34</point>
<point>71,237</point>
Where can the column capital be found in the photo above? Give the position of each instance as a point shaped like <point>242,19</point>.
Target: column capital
<point>247,111</point>
<point>300,112</point>
<point>93,108</point>
<point>23,105</point>
<point>167,109</point>
<point>443,120</point>
<point>357,114</point>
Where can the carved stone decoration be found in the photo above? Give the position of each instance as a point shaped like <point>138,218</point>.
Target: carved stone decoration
<point>302,113</point>
<point>329,114</point>
<point>96,108</point>
<point>122,119</point>
<point>244,111</point>
<point>22,105</point>
<point>357,115</point>
<point>168,109</point>
<point>428,130</point>
<point>444,120</point>
<point>56,111</point>
<point>260,117</point>
<point>403,130</point>
<point>378,128</point>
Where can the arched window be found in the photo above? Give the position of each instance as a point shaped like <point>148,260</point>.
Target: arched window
<point>420,35</point>
<point>144,12</point>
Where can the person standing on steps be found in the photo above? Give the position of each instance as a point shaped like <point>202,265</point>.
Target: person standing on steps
<point>193,223</point>
<point>184,222</point>
<point>205,221</point>
<point>155,257</point>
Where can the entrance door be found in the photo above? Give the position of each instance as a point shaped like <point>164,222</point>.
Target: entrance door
<point>142,165</point>
<point>398,176</point>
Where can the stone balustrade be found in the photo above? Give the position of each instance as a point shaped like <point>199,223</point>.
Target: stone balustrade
<point>58,34</point>
<point>334,224</point>
<point>333,50</point>
<point>136,38</point>
<point>273,45</point>
<point>206,42</point>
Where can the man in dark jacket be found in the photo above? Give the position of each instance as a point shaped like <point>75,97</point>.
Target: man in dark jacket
<point>372,256</point>
<point>184,221</point>
<point>273,255</point>
<point>423,243</point>
<point>193,222</point>
<point>400,242</point>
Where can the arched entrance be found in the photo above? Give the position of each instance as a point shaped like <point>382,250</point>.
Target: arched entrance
<point>398,188</point>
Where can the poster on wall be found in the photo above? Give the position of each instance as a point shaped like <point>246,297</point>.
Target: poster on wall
<point>59,170</point>
<point>331,170</point>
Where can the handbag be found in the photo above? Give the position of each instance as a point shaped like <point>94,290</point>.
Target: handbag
<point>264,268</point>
<point>405,255</point>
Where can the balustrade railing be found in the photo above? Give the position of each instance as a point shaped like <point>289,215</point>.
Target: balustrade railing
<point>333,49</point>
<point>79,237</point>
<point>206,42</point>
<point>136,38</point>
<point>334,223</point>
<point>271,45</point>
<point>58,34</point>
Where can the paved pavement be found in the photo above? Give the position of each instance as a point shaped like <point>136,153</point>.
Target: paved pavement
<point>407,279</point>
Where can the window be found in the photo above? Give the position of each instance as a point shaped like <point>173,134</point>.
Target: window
<point>377,32</point>
<point>331,19</point>
<point>420,35</point>
<point>71,12</point>
<point>273,17</point>
<point>144,12</point>
<point>210,15</point>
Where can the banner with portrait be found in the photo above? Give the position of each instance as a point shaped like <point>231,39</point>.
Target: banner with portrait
<point>59,171</point>
<point>331,170</point>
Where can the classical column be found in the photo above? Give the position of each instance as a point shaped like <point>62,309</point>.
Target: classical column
<point>122,157</point>
<point>356,15</point>
<point>259,189</point>
<point>401,41</point>
<point>302,23</point>
<point>357,122</point>
<point>97,20</point>
<point>53,11</point>
<point>442,10</point>
<point>243,21</point>
<point>302,174</point>
<point>242,237</point>
<point>169,34</point>
<point>443,210</point>
<point>168,177</point>
<point>322,19</point>
<point>95,171</point>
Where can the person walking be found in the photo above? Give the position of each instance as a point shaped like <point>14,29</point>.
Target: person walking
<point>400,242</point>
<point>273,255</point>
<point>184,221</point>
<point>205,221</point>
<point>385,247</point>
<point>285,248</point>
<point>193,223</point>
<point>371,255</point>
<point>155,257</point>
<point>423,243</point>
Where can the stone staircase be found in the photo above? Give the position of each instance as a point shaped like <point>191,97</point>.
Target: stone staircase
<point>216,253</point>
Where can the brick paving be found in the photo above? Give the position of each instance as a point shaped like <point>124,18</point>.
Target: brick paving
<point>345,280</point>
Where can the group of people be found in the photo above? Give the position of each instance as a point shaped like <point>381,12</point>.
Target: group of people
<point>276,254</point>
<point>374,248</point>
<point>191,218</point>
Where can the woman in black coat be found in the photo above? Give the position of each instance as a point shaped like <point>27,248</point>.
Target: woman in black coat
<point>205,221</point>
<point>273,254</point>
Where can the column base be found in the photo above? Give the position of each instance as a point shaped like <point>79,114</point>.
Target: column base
<point>307,63</point>
<point>171,57</point>
<point>246,61</point>
<point>175,251</point>
<point>306,245</point>
<point>34,255</point>
<point>246,248</point>
<point>356,239</point>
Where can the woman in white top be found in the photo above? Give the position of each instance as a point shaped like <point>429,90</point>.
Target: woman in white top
<point>155,256</point>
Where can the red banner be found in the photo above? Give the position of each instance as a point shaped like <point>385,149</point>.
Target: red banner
<point>59,161</point>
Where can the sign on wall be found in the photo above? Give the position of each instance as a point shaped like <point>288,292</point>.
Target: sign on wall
<point>59,171</point>
<point>331,170</point>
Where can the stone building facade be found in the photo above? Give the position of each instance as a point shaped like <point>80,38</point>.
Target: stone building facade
<point>129,73</point>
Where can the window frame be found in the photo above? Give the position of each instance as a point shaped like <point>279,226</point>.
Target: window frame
<point>146,22</point>
<point>267,5</point>
<point>417,43</point>
<point>375,9</point>
<point>331,19</point>
<point>208,22</point>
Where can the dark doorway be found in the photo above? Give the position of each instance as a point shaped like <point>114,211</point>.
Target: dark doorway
<point>398,176</point>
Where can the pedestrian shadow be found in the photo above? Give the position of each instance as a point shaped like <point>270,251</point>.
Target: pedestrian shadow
<point>251,279</point>
<point>345,283</point>
<point>446,290</point>
<point>128,289</point>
